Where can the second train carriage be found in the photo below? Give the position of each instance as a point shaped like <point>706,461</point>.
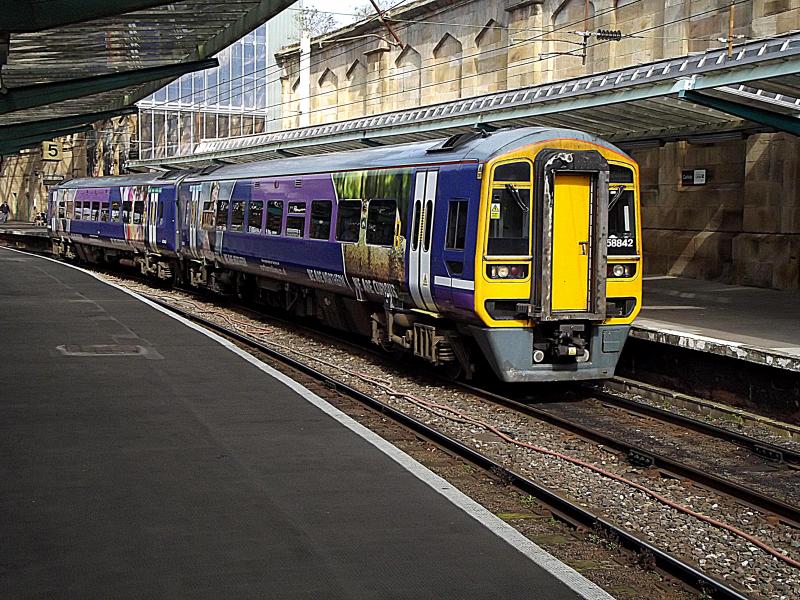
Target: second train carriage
<point>522,245</point>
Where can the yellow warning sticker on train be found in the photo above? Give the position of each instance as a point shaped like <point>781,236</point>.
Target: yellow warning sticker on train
<point>495,211</point>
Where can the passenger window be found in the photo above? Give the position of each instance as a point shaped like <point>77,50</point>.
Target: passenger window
<point>428,223</point>
<point>509,222</point>
<point>126,211</point>
<point>138,212</point>
<point>207,216</point>
<point>95,211</point>
<point>415,230</point>
<point>348,220</point>
<point>274,217</point>
<point>104,212</point>
<point>222,215</point>
<point>70,209</point>
<point>160,213</point>
<point>115,211</point>
<point>320,219</point>
<point>456,225</point>
<point>78,211</point>
<point>255,213</point>
<point>516,171</point>
<point>237,215</point>
<point>381,219</point>
<point>296,219</point>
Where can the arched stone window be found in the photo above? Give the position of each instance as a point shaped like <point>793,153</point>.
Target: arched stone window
<point>354,104</point>
<point>447,71</point>
<point>491,59</point>
<point>408,78</point>
<point>327,101</point>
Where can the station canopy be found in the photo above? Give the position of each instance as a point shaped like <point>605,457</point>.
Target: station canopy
<point>701,97</point>
<point>67,63</point>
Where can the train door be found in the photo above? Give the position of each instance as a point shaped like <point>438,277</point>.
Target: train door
<point>573,199</point>
<point>571,242</point>
<point>420,278</point>
<point>151,216</point>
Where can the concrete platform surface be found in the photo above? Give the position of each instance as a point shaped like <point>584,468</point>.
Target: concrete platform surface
<point>143,458</point>
<point>753,324</point>
<point>23,228</point>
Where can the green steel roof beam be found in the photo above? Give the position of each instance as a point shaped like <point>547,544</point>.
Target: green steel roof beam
<point>769,118</point>
<point>48,127</point>
<point>26,16</point>
<point>31,96</point>
<point>8,147</point>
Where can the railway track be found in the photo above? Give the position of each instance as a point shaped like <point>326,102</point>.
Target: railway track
<point>647,457</point>
<point>561,507</point>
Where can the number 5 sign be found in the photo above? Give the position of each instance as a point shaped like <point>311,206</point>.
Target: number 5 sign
<point>52,151</point>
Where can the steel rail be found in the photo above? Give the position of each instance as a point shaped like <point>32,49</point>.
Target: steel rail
<point>560,507</point>
<point>767,450</point>
<point>646,457</point>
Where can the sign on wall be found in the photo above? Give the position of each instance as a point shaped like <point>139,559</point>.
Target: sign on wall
<point>694,176</point>
<point>52,151</point>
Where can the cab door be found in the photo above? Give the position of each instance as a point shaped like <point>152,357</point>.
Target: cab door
<point>420,278</point>
<point>571,245</point>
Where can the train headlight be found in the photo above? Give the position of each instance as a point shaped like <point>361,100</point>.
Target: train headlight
<point>619,271</point>
<point>507,271</point>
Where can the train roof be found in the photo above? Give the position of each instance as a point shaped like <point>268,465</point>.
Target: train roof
<point>477,147</point>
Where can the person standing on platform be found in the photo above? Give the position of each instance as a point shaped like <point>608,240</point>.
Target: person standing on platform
<point>4,210</point>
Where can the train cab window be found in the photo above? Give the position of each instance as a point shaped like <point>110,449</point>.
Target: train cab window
<point>126,211</point>
<point>104,212</point>
<point>509,222</point>
<point>138,212</point>
<point>61,210</point>
<point>274,217</point>
<point>115,211</point>
<point>381,220</point>
<point>516,171</point>
<point>621,222</point>
<point>320,228</point>
<point>348,221</point>
<point>237,215</point>
<point>255,214</point>
<point>619,174</point>
<point>222,215</point>
<point>456,225</point>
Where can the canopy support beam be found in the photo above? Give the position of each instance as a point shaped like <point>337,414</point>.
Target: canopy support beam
<point>769,118</point>
<point>31,96</point>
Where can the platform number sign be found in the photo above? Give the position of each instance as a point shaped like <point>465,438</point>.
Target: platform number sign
<point>52,151</point>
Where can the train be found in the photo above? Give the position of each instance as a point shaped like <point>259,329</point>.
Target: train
<point>517,248</point>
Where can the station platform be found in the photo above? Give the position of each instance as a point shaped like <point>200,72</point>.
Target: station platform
<point>144,457</point>
<point>23,228</point>
<point>752,324</point>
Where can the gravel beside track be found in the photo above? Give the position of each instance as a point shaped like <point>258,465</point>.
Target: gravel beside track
<point>714,550</point>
